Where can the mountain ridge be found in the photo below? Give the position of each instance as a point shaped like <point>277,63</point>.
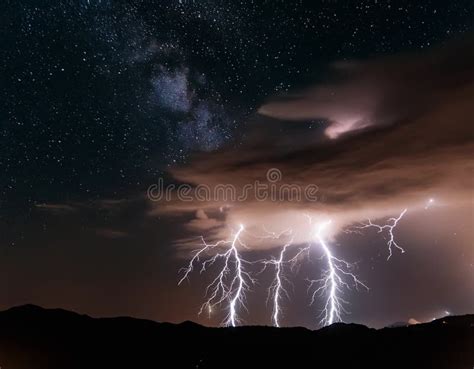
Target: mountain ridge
<point>32,337</point>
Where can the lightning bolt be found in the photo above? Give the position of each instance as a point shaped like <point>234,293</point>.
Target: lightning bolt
<point>337,277</point>
<point>390,227</point>
<point>231,283</point>
<point>276,289</point>
<point>333,281</point>
<point>429,203</point>
<point>233,280</point>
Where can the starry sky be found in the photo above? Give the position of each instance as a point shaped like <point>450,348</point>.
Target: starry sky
<point>99,99</point>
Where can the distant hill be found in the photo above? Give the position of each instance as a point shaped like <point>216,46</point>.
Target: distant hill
<point>35,338</point>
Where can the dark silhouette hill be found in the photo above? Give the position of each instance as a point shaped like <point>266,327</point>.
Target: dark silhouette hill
<point>35,338</point>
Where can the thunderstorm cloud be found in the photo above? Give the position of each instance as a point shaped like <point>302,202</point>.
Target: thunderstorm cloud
<point>395,132</point>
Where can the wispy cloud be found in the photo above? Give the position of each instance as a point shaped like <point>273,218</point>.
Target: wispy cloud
<point>57,207</point>
<point>111,233</point>
<point>414,142</point>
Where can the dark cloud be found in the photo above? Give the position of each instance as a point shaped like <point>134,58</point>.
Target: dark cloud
<point>380,92</point>
<point>414,142</point>
<point>57,208</point>
<point>111,233</point>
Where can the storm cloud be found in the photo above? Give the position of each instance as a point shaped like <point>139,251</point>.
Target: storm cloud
<point>399,131</point>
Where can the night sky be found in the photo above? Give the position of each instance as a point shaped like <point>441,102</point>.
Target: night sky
<point>369,100</point>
